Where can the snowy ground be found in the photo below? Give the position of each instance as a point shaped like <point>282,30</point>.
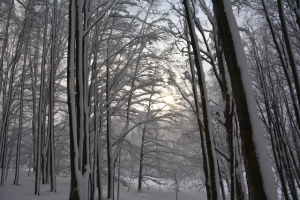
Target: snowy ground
<point>25,191</point>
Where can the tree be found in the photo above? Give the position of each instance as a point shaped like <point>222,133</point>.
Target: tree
<point>125,58</point>
<point>41,112</point>
<point>211,155</point>
<point>260,179</point>
<point>77,101</point>
<point>9,97</point>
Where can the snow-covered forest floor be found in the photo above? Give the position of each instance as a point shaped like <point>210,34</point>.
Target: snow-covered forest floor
<point>25,191</point>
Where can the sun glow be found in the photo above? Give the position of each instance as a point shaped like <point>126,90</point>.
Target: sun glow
<point>169,99</point>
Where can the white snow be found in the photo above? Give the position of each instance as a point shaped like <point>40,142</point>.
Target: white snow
<point>25,191</point>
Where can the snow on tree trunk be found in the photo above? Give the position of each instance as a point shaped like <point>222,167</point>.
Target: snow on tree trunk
<point>211,154</point>
<point>258,169</point>
<point>41,113</point>
<point>78,100</point>
<point>200,125</point>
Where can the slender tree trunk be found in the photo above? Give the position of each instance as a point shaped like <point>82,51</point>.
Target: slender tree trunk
<point>12,143</point>
<point>97,129</point>
<point>99,183</point>
<point>51,101</point>
<point>71,102</point>
<point>119,172</point>
<point>200,125</point>
<point>110,183</point>
<point>211,154</point>
<point>16,181</point>
<point>41,113</point>
<point>140,177</point>
<point>33,72</point>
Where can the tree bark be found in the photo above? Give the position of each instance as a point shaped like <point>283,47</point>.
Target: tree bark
<point>71,102</point>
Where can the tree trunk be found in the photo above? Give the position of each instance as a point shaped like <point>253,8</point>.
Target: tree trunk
<point>51,101</point>
<point>78,106</point>
<point>41,113</point>
<point>110,159</point>
<point>211,154</point>
<point>260,179</point>
<point>16,181</point>
<point>71,102</point>
<point>200,125</point>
